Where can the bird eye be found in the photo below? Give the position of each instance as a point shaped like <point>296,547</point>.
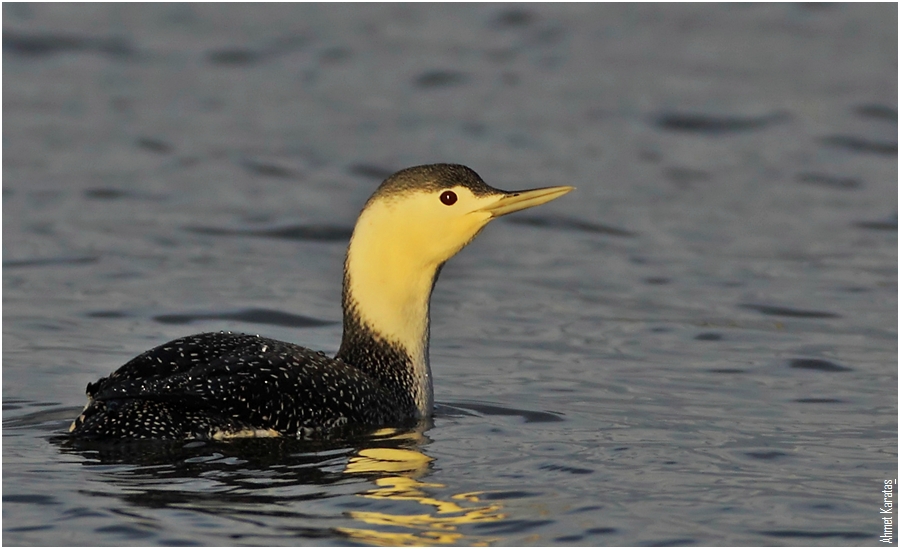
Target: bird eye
<point>448,198</point>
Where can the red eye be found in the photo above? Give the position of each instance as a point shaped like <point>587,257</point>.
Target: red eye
<point>448,198</point>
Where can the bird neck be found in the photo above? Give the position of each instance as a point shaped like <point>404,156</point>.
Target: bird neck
<point>386,298</point>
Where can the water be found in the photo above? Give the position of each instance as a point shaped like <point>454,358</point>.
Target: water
<point>697,347</point>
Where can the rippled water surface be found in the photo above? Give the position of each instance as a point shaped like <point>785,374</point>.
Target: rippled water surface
<point>697,347</point>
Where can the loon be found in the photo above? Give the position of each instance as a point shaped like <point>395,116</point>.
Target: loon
<point>225,385</point>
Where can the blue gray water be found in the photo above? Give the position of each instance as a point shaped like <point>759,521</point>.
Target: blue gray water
<point>697,347</point>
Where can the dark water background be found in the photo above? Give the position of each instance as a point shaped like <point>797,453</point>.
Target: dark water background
<point>697,347</point>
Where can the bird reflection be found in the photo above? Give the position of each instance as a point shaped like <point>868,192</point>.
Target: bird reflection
<point>438,523</point>
<point>258,490</point>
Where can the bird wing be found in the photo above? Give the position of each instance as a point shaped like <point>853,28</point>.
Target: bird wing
<point>175,357</point>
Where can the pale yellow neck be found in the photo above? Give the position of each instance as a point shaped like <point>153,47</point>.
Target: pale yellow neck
<point>389,285</point>
<point>391,296</point>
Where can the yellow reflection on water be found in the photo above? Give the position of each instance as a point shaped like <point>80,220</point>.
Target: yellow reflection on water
<point>435,526</point>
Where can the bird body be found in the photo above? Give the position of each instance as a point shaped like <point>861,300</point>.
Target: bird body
<point>226,385</point>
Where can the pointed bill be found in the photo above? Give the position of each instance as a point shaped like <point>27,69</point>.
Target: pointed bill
<point>520,200</point>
